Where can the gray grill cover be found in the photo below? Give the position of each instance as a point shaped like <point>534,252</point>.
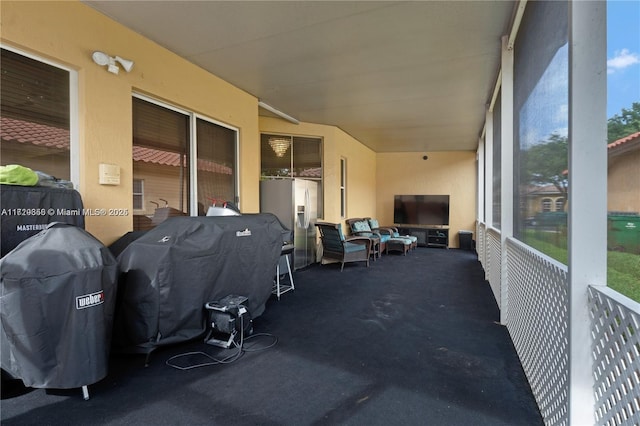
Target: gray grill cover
<point>171,271</point>
<point>60,205</point>
<point>57,300</point>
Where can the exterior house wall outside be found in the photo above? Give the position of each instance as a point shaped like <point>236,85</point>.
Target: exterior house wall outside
<point>156,181</point>
<point>161,183</point>
<point>535,200</point>
<point>51,160</point>
<point>624,182</point>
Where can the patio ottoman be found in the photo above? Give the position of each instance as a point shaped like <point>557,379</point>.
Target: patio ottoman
<point>402,244</point>
<point>414,240</point>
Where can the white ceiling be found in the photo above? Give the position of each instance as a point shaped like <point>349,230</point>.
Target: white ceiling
<point>397,76</point>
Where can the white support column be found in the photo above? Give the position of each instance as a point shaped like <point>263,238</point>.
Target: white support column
<point>588,192</point>
<point>480,215</point>
<point>488,164</point>
<point>481,200</point>
<point>488,184</point>
<point>506,158</point>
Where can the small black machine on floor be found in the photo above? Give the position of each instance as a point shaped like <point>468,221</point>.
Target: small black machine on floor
<point>228,321</point>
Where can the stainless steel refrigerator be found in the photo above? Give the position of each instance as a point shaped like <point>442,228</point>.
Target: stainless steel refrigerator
<point>295,203</point>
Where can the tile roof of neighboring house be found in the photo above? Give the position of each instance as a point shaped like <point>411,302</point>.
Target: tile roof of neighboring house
<point>26,132</point>
<point>150,155</point>
<point>156,156</point>
<point>623,141</point>
<point>13,130</point>
<point>314,172</point>
<point>542,190</point>
<point>620,146</point>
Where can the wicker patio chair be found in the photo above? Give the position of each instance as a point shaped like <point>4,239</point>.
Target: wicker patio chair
<point>338,248</point>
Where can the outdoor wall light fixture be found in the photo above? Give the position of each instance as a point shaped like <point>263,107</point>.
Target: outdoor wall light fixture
<point>111,62</point>
<point>280,145</point>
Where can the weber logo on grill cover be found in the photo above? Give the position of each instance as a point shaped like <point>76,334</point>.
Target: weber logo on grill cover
<point>89,300</point>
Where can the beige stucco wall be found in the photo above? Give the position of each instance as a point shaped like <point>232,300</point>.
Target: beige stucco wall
<point>361,167</point>
<point>67,33</point>
<point>624,183</point>
<point>452,173</point>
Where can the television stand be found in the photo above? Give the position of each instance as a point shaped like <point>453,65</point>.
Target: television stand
<point>427,236</point>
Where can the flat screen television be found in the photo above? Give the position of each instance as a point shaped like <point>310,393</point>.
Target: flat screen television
<point>426,210</point>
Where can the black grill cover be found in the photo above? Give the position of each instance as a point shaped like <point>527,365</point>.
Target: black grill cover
<point>26,210</point>
<point>57,302</point>
<point>171,271</point>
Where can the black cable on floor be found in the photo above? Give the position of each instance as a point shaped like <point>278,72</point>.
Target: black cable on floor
<point>241,349</point>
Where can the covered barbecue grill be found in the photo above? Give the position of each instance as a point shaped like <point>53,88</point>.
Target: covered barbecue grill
<point>57,299</point>
<point>173,270</point>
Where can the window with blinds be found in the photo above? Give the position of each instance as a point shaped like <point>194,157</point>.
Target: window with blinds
<point>163,144</point>
<point>138,194</point>
<point>216,173</point>
<point>161,157</point>
<point>285,156</point>
<point>275,154</point>
<point>34,115</point>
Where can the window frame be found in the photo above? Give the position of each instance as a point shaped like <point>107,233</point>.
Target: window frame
<point>74,139</point>
<point>291,173</point>
<point>343,187</point>
<point>140,194</point>
<point>193,118</point>
<point>194,159</point>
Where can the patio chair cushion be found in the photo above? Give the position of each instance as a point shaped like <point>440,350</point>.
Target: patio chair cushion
<point>361,226</point>
<point>384,237</point>
<point>374,224</point>
<point>404,239</point>
<point>340,231</point>
<point>413,238</point>
<point>413,241</point>
<point>353,247</point>
<point>363,229</point>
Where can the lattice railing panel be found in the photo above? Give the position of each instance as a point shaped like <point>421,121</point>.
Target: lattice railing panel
<point>615,329</point>
<point>537,319</point>
<point>481,243</point>
<point>494,263</point>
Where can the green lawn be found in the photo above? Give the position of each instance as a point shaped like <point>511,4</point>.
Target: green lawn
<point>623,273</point>
<point>623,269</point>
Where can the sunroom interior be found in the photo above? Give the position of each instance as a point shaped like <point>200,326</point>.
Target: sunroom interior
<point>402,98</point>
